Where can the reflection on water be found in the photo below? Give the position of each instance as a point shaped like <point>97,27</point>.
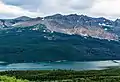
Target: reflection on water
<point>91,65</point>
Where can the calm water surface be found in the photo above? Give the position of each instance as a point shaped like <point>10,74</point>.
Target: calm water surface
<point>91,65</point>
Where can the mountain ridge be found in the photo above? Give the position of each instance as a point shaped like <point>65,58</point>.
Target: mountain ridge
<point>70,24</point>
<point>71,38</point>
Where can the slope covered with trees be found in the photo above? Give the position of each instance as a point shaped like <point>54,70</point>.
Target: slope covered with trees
<point>108,75</point>
<point>31,45</point>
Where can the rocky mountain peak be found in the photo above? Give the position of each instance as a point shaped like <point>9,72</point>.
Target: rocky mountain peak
<point>70,24</point>
<point>23,18</point>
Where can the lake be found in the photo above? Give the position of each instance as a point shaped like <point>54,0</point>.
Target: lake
<point>86,65</point>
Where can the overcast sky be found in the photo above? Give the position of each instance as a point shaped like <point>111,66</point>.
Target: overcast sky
<point>33,8</point>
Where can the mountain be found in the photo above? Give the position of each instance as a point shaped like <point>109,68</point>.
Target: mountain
<point>71,24</point>
<point>9,22</point>
<point>59,37</point>
<point>37,43</point>
<point>23,18</point>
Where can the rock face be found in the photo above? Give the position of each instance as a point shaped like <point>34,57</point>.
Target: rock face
<point>70,24</point>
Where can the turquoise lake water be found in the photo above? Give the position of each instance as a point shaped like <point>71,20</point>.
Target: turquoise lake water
<point>90,65</point>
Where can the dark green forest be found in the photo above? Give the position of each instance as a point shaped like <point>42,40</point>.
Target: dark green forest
<point>27,45</point>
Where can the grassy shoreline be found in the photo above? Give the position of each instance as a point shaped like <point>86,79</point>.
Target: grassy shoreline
<point>107,75</point>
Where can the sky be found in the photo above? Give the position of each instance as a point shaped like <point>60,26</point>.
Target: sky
<point>40,8</point>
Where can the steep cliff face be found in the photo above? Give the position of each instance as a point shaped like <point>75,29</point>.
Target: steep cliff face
<point>71,24</point>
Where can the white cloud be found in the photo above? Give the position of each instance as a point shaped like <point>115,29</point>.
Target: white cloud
<point>15,10</point>
<point>49,7</point>
<point>105,8</point>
